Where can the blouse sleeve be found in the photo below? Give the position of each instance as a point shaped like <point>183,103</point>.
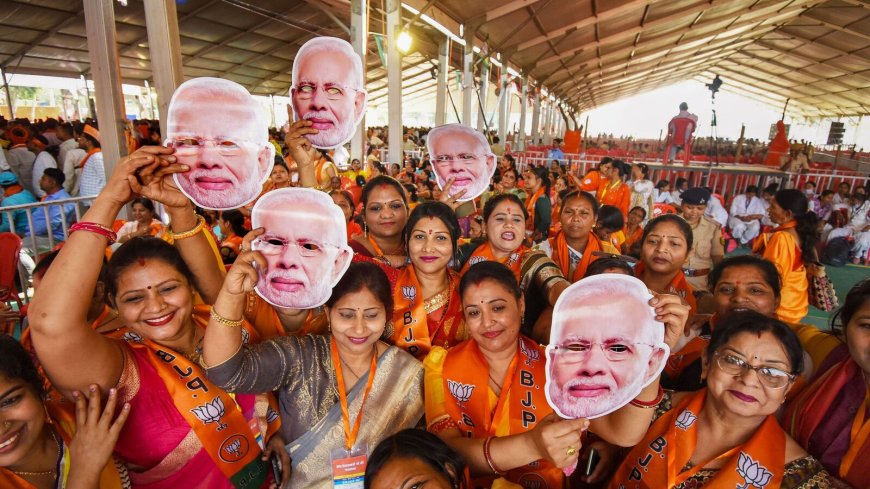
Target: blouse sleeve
<point>437,417</point>
<point>263,367</point>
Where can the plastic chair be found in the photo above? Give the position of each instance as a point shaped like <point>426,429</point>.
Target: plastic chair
<point>10,247</point>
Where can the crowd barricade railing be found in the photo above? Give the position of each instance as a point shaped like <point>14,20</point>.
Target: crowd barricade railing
<point>413,153</point>
<point>35,245</point>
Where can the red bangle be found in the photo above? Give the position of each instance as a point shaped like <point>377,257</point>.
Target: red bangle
<point>93,227</point>
<point>651,404</point>
<point>488,456</point>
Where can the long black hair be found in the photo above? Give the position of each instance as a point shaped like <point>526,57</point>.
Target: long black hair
<point>807,228</point>
<point>137,250</point>
<point>16,364</point>
<point>857,296</point>
<point>544,175</point>
<point>423,446</point>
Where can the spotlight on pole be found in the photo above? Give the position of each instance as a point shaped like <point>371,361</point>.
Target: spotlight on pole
<point>403,42</point>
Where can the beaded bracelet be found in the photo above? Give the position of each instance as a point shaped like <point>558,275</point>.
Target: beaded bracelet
<point>200,225</point>
<point>488,456</point>
<point>232,323</point>
<point>96,228</point>
<point>649,404</point>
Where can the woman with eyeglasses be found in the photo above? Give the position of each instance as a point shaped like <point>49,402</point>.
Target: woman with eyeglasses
<point>485,397</point>
<point>505,217</point>
<point>726,435</point>
<point>427,310</point>
<point>829,417</point>
<point>574,246</point>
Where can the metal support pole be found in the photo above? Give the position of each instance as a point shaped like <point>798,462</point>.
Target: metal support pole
<point>443,74</point>
<point>164,44</point>
<point>106,72</point>
<point>520,142</point>
<point>359,21</point>
<point>536,118</point>
<point>8,95</point>
<point>484,94</point>
<point>467,78</point>
<point>394,83</point>
<point>503,105</point>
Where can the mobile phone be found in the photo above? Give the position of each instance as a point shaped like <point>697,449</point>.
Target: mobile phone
<point>276,468</point>
<point>592,462</point>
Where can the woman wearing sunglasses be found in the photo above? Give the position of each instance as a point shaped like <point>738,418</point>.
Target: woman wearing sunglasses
<point>726,435</point>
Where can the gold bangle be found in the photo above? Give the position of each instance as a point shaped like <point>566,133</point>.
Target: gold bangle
<point>224,321</point>
<point>200,225</point>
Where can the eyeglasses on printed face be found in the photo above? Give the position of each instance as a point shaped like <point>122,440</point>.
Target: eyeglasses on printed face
<point>614,351</point>
<point>188,146</point>
<point>333,91</point>
<point>769,376</point>
<point>273,245</point>
<point>460,158</point>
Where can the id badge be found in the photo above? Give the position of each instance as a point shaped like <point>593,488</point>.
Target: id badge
<point>349,467</point>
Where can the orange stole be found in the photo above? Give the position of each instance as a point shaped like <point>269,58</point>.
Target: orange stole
<point>618,195</point>
<point>679,286</point>
<point>484,253</point>
<point>804,414</point>
<point>561,256</point>
<point>413,331</point>
<point>670,442</point>
<point>87,157</point>
<point>633,237</point>
<point>530,208</point>
<point>466,378</point>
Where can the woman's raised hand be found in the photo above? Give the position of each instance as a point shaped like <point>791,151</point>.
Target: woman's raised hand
<point>674,313</point>
<point>243,275</point>
<point>301,149</point>
<point>140,166</point>
<point>558,440</point>
<point>451,200</point>
<point>96,435</point>
<point>158,184</point>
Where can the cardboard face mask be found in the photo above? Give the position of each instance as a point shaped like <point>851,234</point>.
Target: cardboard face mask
<point>461,153</point>
<point>216,129</point>
<point>596,365</point>
<point>305,246</point>
<point>329,90</point>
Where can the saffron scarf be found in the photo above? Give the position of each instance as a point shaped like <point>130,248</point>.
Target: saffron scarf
<point>413,330</point>
<point>813,404</point>
<point>658,460</point>
<point>87,157</point>
<point>530,208</point>
<point>679,286</point>
<point>484,253</point>
<point>562,256</point>
<point>466,378</point>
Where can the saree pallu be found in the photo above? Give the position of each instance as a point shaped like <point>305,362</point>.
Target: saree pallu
<point>661,460</point>
<point>520,406</point>
<point>415,330</point>
<point>484,253</point>
<point>562,258</point>
<point>781,248</point>
<point>823,419</point>
<point>395,402</point>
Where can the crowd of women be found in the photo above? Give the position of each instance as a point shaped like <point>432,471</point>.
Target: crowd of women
<point>209,386</point>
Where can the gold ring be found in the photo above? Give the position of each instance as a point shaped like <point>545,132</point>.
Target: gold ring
<point>572,451</point>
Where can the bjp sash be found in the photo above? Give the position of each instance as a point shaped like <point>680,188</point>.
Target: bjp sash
<point>633,237</point>
<point>679,286</point>
<point>670,443</point>
<point>562,257</point>
<point>808,410</point>
<point>484,253</point>
<point>412,329</point>
<point>530,208</point>
<point>521,403</point>
<point>87,157</point>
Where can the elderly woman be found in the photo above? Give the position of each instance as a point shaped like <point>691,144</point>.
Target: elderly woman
<point>540,278</point>
<point>829,417</point>
<point>346,378</point>
<point>726,435</point>
<point>485,397</point>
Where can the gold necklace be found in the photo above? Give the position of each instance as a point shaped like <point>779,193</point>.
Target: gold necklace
<point>52,472</point>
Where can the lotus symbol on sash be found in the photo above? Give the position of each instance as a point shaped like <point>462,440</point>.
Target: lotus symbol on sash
<point>474,260</point>
<point>753,473</point>
<point>233,448</point>
<point>513,259</point>
<point>409,292</point>
<point>131,336</point>
<point>531,355</point>
<point>211,412</point>
<point>271,415</point>
<point>685,420</point>
<point>245,336</point>
<point>462,392</point>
